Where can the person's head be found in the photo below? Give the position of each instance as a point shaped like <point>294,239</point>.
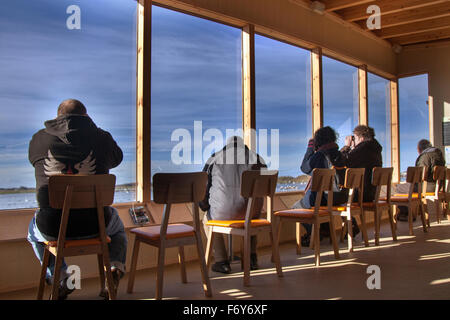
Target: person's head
<point>363,133</point>
<point>423,145</point>
<point>324,136</point>
<point>71,106</point>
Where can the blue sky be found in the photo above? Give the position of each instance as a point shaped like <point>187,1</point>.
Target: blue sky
<point>196,75</point>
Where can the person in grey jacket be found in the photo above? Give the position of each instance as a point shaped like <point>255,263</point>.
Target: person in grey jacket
<point>223,200</point>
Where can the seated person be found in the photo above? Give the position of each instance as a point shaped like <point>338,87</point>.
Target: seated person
<point>322,152</point>
<point>429,157</point>
<point>73,144</point>
<point>363,151</point>
<point>223,200</point>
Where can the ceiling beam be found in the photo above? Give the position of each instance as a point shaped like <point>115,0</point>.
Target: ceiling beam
<point>413,28</point>
<point>333,5</point>
<point>386,6</point>
<point>422,37</point>
<point>412,15</point>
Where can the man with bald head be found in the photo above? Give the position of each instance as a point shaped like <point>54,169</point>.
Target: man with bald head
<point>72,144</point>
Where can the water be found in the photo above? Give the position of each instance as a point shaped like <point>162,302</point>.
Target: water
<point>28,200</point>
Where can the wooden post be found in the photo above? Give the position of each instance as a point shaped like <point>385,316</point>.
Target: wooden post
<point>395,132</point>
<point>143,96</point>
<point>317,89</point>
<point>431,120</point>
<point>248,85</point>
<point>363,94</point>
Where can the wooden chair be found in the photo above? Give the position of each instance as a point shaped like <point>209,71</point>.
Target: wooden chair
<point>79,192</point>
<point>447,192</point>
<point>321,181</point>
<point>254,185</point>
<point>381,177</point>
<point>412,200</point>
<point>354,181</point>
<point>438,196</point>
<point>168,189</point>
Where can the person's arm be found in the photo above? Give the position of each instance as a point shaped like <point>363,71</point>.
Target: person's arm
<point>307,165</point>
<point>112,152</point>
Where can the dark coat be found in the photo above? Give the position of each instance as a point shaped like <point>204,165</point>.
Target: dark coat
<point>429,158</point>
<point>324,158</point>
<point>367,154</point>
<point>70,144</point>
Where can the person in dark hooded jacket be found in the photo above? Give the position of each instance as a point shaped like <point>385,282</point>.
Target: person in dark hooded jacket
<point>73,144</point>
<point>322,152</point>
<point>363,151</point>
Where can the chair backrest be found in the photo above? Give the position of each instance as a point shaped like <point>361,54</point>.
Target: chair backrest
<point>171,188</point>
<point>447,180</point>
<point>258,184</point>
<point>322,180</point>
<point>354,180</point>
<point>382,177</point>
<point>81,192</point>
<point>439,177</point>
<point>414,175</point>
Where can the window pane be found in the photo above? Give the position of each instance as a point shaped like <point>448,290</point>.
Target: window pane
<point>380,113</point>
<point>283,102</point>
<point>43,62</point>
<point>196,77</point>
<point>413,96</point>
<point>340,97</point>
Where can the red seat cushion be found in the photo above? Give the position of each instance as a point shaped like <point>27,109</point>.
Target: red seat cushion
<point>173,231</point>
<point>78,243</point>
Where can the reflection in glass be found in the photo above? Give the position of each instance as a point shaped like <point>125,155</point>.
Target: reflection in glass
<point>283,102</point>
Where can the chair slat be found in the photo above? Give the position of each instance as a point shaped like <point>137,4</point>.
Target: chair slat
<point>185,187</point>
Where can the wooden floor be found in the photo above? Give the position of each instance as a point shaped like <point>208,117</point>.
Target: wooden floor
<point>415,267</point>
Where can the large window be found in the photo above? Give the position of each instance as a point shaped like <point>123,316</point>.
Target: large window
<point>379,105</point>
<point>340,97</point>
<point>196,89</point>
<point>414,125</point>
<point>44,61</point>
<point>283,103</point>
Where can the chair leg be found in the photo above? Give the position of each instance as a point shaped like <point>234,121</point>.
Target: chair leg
<point>316,232</point>
<point>343,231</point>
<point>377,219</point>
<point>160,272</point>
<point>182,264</point>
<point>133,266</point>
<point>101,272</point>
<point>349,233</point>
<point>209,247</point>
<point>275,249</point>
<point>298,238</point>
<point>438,209</point>
<point>43,274</point>
<point>422,216</point>
<point>364,229</point>
<point>203,268</point>
<point>246,260</point>
<point>392,223</point>
<point>112,291</point>
<point>56,276</point>
<point>333,238</point>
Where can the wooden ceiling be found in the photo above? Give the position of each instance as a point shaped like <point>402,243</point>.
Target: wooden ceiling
<point>403,22</point>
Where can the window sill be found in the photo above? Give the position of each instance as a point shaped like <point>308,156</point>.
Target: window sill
<point>14,223</point>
